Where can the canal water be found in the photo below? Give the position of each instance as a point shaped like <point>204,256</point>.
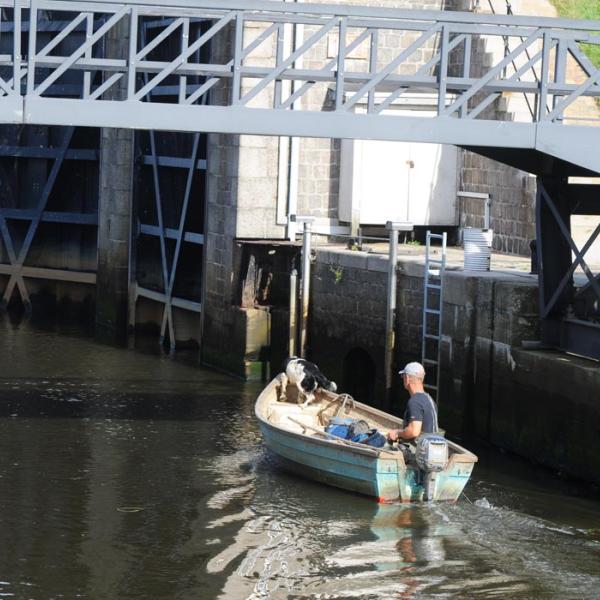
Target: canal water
<point>126,474</point>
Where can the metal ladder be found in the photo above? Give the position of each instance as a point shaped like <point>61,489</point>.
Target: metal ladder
<point>433,287</point>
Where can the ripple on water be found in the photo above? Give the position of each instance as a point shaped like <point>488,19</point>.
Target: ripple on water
<point>220,519</point>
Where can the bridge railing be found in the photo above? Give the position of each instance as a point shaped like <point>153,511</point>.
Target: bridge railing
<point>306,57</point>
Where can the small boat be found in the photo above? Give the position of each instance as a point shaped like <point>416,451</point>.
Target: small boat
<point>297,436</point>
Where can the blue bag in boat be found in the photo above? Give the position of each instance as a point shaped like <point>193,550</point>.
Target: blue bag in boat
<point>370,438</point>
<point>340,426</point>
<point>346,427</point>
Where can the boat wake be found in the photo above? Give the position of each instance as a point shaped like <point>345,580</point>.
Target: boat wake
<point>277,536</point>
<point>283,549</point>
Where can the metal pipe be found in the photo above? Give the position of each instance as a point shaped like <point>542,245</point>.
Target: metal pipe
<point>294,146</point>
<point>284,142</point>
<point>289,147</point>
<point>282,183</point>
<point>393,228</point>
<point>306,249</point>
<point>293,331</point>
<point>391,308</point>
<point>293,184</point>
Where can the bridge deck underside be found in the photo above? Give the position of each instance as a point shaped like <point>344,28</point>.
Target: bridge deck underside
<point>538,148</point>
<point>293,69</point>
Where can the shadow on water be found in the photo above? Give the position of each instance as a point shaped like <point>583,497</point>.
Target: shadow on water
<point>132,475</point>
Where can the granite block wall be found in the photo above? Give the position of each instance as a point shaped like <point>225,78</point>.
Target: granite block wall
<point>512,192</point>
<point>243,171</point>
<point>318,187</point>
<point>538,404</point>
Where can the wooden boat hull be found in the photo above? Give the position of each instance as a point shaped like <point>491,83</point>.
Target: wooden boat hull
<point>378,473</point>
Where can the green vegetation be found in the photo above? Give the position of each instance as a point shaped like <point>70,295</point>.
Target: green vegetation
<point>581,9</point>
<point>338,273</point>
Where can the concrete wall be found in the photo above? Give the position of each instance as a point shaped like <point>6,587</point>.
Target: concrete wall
<point>538,404</point>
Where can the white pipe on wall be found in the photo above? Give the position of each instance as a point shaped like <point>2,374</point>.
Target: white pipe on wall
<point>289,148</point>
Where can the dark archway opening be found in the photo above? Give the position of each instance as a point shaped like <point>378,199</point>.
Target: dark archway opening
<point>359,375</point>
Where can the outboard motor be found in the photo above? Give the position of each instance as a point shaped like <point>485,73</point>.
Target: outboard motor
<point>431,457</point>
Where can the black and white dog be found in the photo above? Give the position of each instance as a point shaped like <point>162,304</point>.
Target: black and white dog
<point>306,377</point>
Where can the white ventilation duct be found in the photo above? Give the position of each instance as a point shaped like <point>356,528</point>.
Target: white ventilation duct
<point>478,248</point>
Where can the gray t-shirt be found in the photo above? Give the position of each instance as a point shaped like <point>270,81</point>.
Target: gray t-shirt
<point>420,407</point>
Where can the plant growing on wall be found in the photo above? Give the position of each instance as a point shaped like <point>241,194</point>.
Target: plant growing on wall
<point>338,273</point>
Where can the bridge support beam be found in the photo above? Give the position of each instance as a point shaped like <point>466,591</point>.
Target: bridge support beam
<point>114,214</point>
<point>569,301</point>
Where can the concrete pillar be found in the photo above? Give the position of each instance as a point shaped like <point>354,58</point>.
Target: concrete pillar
<point>114,211</point>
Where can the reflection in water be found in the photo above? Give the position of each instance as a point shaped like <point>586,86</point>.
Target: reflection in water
<point>308,541</point>
<point>129,475</point>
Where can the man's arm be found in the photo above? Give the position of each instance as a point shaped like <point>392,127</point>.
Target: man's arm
<point>410,432</point>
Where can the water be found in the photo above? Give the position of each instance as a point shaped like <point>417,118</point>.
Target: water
<point>126,474</point>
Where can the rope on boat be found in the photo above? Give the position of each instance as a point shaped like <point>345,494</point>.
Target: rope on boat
<point>346,397</point>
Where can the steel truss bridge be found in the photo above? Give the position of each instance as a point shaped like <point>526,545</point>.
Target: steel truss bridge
<point>258,101</point>
<point>228,66</point>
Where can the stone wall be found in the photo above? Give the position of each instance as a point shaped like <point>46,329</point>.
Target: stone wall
<point>348,311</point>
<point>319,170</point>
<point>114,212</point>
<point>243,186</point>
<point>538,404</point>
<point>485,318</point>
<point>243,177</point>
<point>241,199</point>
<point>512,193</point>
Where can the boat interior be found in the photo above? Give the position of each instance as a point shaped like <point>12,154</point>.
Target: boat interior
<point>290,414</point>
<point>281,407</point>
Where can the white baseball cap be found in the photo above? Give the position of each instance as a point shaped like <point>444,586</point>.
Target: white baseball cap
<point>413,369</point>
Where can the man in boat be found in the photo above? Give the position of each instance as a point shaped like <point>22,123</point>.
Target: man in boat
<point>420,415</point>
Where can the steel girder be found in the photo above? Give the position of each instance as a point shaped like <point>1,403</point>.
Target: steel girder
<point>17,252</point>
<point>169,262</point>
<point>569,307</point>
<point>350,51</point>
<point>30,208</point>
